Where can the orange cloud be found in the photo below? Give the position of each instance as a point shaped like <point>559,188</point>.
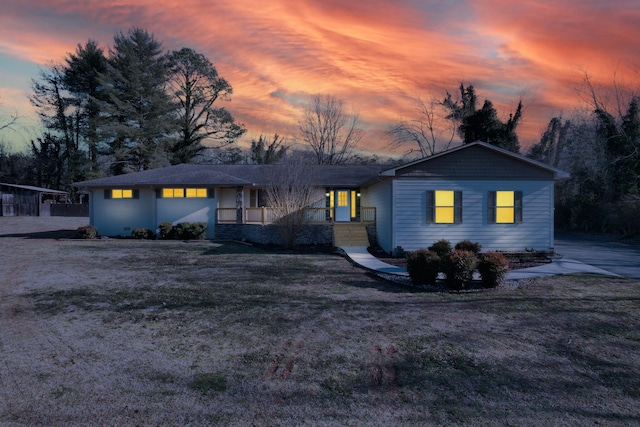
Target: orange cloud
<point>375,55</point>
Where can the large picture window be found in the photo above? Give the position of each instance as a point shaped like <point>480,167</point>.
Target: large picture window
<point>189,193</point>
<point>504,207</point>
<point>444,207</point>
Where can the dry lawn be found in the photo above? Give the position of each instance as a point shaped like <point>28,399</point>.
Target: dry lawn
<point>124,332</point>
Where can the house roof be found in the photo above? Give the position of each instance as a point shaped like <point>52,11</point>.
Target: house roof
<point>557,173</point>
<point>234,175</point>
<point>32,188</point>
<point>348,176</point>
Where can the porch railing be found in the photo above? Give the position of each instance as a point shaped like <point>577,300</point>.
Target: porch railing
<point>267,215</point>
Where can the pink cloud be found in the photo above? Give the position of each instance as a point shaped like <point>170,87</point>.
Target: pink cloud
<point>375,55</point>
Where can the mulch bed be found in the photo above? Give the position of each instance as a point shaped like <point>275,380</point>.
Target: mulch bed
<point>516,261</point>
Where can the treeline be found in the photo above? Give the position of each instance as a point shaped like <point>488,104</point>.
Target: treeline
<point>601,150</point>
<point>131,108</point>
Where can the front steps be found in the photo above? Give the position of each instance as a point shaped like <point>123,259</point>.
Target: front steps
<point>350,234</point>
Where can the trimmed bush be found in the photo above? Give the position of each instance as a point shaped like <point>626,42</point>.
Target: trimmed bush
<point>492,267</point>
<point>87,232</point>
<point>423,267</point>
<point>458,269</point>
<point>468,245</point>
<point>143,233</point>
<point>442,248</point>
<point>166,230</point>
<point>189,230</point>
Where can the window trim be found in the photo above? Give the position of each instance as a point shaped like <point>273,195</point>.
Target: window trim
<point>205,193</point>
<point>108,194</point>
<point>431,207</point>
<point>492,207</point>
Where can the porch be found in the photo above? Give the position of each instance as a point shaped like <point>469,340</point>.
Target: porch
<point>266,215</point>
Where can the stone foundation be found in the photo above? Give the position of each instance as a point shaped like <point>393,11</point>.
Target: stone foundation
<point>269,234</point>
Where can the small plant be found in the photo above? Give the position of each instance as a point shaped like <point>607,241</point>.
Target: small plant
<point>458,269</point>
<point>189,230</point>
<point>423,267</point>
<point>468,245</point>
<point>166,230</point>
<point>492,267</point>
<point>87,232</point>
<point>442,248</point>
<point>143,233</point>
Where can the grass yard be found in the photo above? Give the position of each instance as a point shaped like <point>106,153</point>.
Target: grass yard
<point>124,332</point>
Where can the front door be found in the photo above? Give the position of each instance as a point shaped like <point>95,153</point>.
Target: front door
<point>343,205</point>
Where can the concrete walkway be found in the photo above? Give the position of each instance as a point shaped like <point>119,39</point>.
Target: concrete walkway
<point>361,256</point>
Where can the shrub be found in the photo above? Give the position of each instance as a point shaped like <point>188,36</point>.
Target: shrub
<point>492,267</point>
<point>87,232</point>
<point>166,230</point>
<point>468,245</point>
<point>143,233</point>
<point>189,230</point>
<point>423,267</point>
<point>442,248</point>
<point>458,269</point>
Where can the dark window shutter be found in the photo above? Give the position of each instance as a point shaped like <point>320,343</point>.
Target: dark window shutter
<point>491,207</point>
<point>457,207</point>
<point>135,194</point>
<point>211,193</point>
<point>518,207</point>
<point>158,193</point>
<point>107,194</point>
<point>431,207</point>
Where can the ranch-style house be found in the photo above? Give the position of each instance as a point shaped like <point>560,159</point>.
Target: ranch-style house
<point>476,191</point>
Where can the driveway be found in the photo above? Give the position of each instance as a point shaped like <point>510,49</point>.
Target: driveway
<point>621,257</point>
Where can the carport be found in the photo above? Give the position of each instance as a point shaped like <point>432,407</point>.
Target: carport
<point>27,200</point>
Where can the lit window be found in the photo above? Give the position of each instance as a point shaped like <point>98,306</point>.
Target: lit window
<point>169,193</point>
<point>353,204</point>
<point>121,193</point>
<point>505,207</point>
<point>196,192</point>
<point>444,207</point>
<point>343,198</point>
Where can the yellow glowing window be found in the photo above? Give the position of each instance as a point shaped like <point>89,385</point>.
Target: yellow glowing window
<point>169,193</point>
<point>353,204</point>
<point>343,198</point>
<point>121,194</point>
<point>196,192</point>
<point>505,207</point>
<point>445,207</point>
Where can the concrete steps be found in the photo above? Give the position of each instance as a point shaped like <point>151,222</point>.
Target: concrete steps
<point>350,234</point>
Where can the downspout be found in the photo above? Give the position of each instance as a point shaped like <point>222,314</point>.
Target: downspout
<point>392,224</point>
<point>156,226</point>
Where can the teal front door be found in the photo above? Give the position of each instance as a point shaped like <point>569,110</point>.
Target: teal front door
<point>343,205</point>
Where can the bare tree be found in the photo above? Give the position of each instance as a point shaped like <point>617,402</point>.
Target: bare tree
<point>290,191</point>
<point>331,132</point>
<point>9,122</point>
<point>428,133</point>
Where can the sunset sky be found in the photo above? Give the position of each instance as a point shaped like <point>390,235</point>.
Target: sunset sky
<point>375,55</point>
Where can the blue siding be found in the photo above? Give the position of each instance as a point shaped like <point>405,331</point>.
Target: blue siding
<point>536,232</point>
<point>379,195</point>
<point>118,217</point>
<point>188,210</point>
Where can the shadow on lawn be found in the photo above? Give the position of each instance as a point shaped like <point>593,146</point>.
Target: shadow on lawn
<point>49,234</point>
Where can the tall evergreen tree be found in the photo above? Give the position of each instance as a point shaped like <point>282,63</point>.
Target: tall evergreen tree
<point>82,79</point>
<point>138,111</point>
